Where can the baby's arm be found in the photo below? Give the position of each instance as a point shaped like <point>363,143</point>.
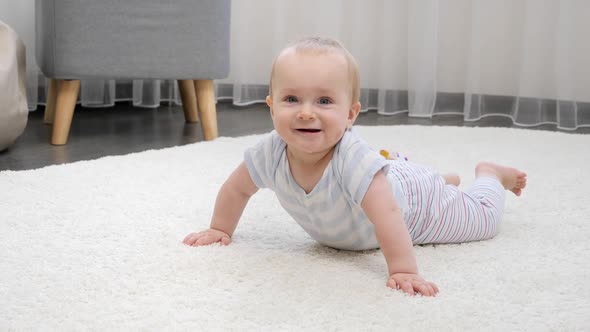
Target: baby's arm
<point>394,238</point>
<point>229,205</point>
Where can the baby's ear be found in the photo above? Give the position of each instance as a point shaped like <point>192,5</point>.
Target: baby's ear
<point>355,108</point>
<point>269,103</point>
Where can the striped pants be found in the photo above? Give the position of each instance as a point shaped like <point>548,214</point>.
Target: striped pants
<point>440,213</point>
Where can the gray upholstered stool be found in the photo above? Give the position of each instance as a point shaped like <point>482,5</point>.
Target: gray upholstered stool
<point>185,40</point>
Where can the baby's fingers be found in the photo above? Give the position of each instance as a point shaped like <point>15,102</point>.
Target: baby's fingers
<point>407,287</point>
<point>206,239</point>
<point>191,238</point>
<point>391,283</point>
<point>425,289</point>
<point>412,285</point>
<point>434,287</point>
<point>225,240</point>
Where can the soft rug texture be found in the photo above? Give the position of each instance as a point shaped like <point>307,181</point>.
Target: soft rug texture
<point>97,245</point>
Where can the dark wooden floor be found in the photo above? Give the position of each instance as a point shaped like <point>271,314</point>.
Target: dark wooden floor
<point>123,129</point>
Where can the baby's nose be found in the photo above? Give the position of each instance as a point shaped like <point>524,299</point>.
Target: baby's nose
<point>306,113</point>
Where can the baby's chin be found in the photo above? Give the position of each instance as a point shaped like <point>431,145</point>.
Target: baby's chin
<point>298,150</point>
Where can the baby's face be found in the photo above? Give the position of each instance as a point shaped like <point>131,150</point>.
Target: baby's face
<point>311,102</point>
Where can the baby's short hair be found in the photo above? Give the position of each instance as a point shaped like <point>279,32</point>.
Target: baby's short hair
<point>322,45</point>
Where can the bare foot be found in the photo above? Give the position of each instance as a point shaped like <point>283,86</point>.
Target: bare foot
<point>511,178</point>
<point>452,178</point>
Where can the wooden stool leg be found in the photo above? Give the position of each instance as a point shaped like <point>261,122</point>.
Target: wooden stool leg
<point>189,100</point>
<point>50,102</point>
<point>65,104</point>
<point>206,105</point>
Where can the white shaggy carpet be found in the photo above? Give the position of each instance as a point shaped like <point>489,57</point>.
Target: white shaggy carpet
<point>97,245</point>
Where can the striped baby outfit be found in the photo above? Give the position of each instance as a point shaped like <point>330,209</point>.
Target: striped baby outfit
<point>440,213</point>
<point>332,215</point>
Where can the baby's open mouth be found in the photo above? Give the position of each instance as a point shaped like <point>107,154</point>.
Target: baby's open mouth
<point>307,130</point>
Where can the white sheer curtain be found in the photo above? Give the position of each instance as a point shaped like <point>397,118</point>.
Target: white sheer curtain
<point>524,59</point>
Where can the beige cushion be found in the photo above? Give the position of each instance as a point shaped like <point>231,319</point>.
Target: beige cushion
<point>13,98</point>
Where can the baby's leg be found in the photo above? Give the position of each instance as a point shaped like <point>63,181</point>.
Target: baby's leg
<point>476,213</point>
<point>466,216</point>
<point>511,178</point>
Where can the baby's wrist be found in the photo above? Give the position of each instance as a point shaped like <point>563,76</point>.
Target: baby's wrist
<point>220,231</point>
<point>403,270</point>
<point>403,273</point>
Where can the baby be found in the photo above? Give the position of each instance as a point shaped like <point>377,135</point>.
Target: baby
<point>340,191</point>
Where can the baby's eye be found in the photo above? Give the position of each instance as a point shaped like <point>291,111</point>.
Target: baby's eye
<point>291,99</point>
<point>325,101</point>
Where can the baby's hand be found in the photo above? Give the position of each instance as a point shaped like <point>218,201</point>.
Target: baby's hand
<point>412,283</point>
<point>207,237</point>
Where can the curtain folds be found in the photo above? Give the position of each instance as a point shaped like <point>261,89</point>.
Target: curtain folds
<point>528,60</point>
